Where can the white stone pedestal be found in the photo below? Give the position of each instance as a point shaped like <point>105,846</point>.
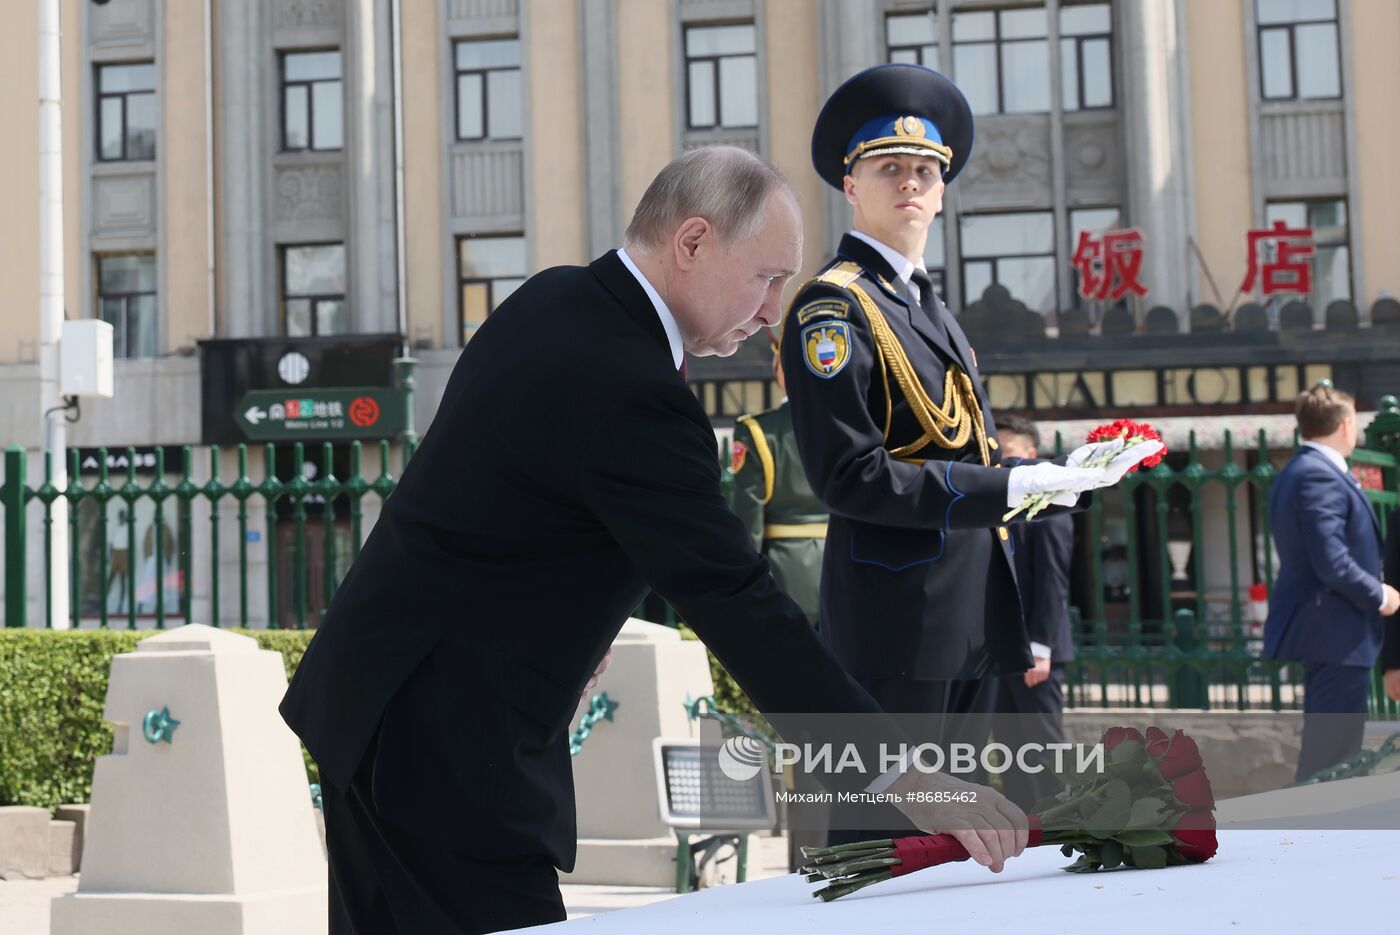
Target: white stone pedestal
<point>211,830</point>
<point>622,839</point>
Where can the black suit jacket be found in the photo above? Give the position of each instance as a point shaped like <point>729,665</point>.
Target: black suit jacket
<point>568,468</point>
<point>1390,649</point>
<point>1044,550</point>
<point>917,578</point>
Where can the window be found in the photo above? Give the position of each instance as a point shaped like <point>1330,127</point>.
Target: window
<point>721,70</point>
<point>313,290</point>
<point>1001,60</point>
<point>1331,277</point>
<point>1016,251</point>
<point>1298,52</point>
<point>488,270</point>
<point>1086,56</point>
<point>311,101</point>
<point>912,38</point>
<point>488,89</point>
<point>126,299</point>
<point>126,112</point>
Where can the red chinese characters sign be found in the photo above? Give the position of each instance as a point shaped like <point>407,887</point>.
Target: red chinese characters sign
<point>1279,260</point>
<point>1111,266</point>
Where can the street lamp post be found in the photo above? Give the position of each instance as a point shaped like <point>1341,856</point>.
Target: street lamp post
<point>54,427</point>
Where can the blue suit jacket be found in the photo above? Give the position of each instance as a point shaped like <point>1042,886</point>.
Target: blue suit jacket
<point>1325,606</point>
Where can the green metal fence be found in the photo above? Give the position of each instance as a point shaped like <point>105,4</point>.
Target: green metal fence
<point>1198,645</point>
<point>1162,601</point>
<point>223,501</point>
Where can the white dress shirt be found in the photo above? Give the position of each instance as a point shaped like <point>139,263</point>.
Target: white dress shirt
<point>903,266</point>
<point>668,321</point>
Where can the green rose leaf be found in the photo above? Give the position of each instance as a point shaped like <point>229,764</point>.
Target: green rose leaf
<point>1149,858</point>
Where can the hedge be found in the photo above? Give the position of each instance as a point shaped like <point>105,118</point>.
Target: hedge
<point>53,686</point>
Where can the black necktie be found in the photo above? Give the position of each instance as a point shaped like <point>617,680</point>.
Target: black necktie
<point>929,303</point>
<point>681,368</point>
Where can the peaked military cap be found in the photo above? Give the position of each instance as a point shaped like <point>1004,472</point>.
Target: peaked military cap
<point>892,109</point>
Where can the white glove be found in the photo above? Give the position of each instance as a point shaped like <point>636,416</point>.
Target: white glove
<point>1045,477</point>
<point>1093,450</point>
<point>1123,458</point>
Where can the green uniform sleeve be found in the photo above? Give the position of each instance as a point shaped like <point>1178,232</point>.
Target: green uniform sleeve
<point>746,497</point>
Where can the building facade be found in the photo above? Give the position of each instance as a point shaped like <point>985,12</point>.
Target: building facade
<point>307,171</point>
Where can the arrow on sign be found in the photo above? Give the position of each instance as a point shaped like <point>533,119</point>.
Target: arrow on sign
<point>254,415</point>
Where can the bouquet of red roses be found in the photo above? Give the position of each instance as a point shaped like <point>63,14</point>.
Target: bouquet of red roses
<point>1150,807</point>
<point>1109,441</point>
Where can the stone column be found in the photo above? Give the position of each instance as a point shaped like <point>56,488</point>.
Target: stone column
<point>371,246</point>
<point>1155,107</point>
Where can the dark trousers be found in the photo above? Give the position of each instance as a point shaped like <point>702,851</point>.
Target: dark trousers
<point>386,880</point>
<point>1030,715</point>
<point>938,711</point>
<point>1334,715</point>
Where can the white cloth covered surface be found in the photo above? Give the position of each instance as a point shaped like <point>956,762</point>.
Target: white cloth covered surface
<point>1260,881</point>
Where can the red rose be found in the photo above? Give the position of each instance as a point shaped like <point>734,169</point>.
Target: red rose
<point>1181,757</point>
<point>1116,735</point>
<point>1193,790</point>
<point>1127,428</point>
<point>1197,846</point>
<point>1157,742</point>
<point>1197,820</point>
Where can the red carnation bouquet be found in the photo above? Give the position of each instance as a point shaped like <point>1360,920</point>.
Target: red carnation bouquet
<point>1114,438</point>
<point>1150,807</point>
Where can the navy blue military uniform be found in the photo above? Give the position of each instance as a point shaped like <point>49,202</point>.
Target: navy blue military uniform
<point>919,597</point>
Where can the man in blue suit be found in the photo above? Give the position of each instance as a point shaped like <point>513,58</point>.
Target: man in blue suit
<point>1390,649</point>
<point>1329,597</point>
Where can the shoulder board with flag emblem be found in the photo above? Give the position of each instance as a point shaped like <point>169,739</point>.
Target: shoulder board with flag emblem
<point>737,452</point>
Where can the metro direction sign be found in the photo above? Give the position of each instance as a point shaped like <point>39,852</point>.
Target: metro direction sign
<point>317,414</point>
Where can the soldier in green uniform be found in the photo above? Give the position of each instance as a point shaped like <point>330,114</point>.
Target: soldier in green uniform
<point>786,521</point>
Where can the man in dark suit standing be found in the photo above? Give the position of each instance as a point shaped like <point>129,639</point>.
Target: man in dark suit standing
<point>568,468</point>
<point>1329,598</point>
<point>1030,704</point>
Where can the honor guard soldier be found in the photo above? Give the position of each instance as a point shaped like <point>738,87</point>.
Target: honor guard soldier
<point>918,596</point>
<point>786,521</point>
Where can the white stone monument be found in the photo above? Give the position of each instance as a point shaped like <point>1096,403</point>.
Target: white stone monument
<point>622,839</point>
<point>201,820</point>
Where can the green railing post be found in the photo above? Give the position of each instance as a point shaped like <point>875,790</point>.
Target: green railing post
<point>12,501</point>
<point>271,488</point>
<point>103,493</point>
<point>403,376</point>
<point>1188,686</point>
<point>242,489</point>
<point>157,492</point>
<point>185,492</point>
<point>46,494</point>
<point>1383,434</point>
<point>129,492</point>
<point>214,491</point>
<point>298,487</point>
